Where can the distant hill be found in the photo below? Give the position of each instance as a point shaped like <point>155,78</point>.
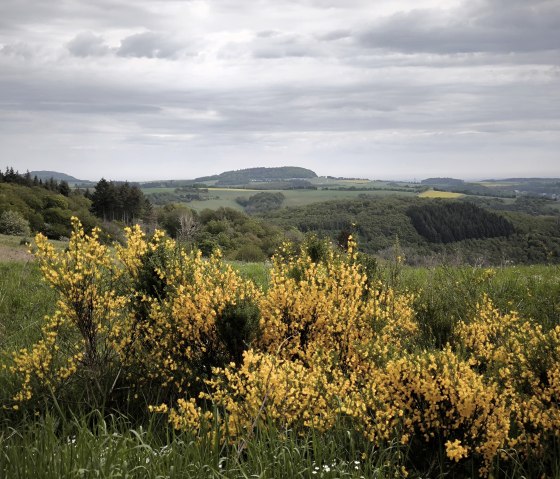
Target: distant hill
<point>522,180</point>
<point>251,175</point>
<point>442,181</point>
<point>45,175</point>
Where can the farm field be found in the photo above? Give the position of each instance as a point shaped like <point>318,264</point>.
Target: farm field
<point>225,197</point>
<point>428,332</point>
<point>439,194</point>
<point>498,184</point>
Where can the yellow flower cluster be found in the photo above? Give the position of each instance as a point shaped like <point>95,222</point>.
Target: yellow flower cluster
<point>175,339</point>
<point>328,307</point>
<point>437,395</point>
<point>524,361</point>
<point>265,387</point>
<point>87,309</point>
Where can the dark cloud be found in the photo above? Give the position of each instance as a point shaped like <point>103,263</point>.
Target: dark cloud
<point>489,26</point>
<point>87,44</point>
<point>18,15</point>
<point>335,35</point>
<point>149,45</point>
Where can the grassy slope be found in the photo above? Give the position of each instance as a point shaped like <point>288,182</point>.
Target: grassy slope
<point>24,301</point>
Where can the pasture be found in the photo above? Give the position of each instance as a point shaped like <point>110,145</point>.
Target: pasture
<point>225,197</point>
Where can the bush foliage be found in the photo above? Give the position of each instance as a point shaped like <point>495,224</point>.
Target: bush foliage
<point>13,223</point>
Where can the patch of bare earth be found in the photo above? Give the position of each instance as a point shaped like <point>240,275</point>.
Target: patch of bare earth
<point>14,253</point>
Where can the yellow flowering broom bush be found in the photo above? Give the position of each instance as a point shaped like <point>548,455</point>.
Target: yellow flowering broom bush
<point>88,307</point>
<point>524,361</point>
<point>188,314</point>
<point>323,334</point>
<point>435,398</point>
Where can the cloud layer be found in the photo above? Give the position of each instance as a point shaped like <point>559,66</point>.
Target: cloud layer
<point>401,89</point>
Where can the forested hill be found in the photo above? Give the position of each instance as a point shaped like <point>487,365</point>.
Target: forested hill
<point>248,175</point>
<point>47,175</point>
<point>430,230</point>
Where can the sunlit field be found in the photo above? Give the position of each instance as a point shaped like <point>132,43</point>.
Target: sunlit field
<point>439,194</point>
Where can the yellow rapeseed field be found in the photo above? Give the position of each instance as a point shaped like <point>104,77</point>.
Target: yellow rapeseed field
<point>439,194</point>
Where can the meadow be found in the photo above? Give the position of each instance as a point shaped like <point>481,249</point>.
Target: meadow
<point>427,372</point>
<point>225,197</point>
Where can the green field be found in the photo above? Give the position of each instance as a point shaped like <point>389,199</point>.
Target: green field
<point>225,197</point>
<point>498,184</point>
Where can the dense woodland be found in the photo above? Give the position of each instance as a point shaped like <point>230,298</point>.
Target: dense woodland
<point>445,222</point>
<point>46,206</point>
<point>26,179</point>
<point>261,202</point>
<point>379,221</point>
<point>181,194</point>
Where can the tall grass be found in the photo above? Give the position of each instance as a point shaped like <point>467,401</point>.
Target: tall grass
<point>446,295</point>
<point>107,447</point>
<point>24,300</point>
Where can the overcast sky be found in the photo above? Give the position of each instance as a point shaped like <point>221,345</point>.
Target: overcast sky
<point>404,89</point>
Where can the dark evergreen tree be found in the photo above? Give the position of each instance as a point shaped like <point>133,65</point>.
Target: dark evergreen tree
<point>101,200</point>
<point>64,188</point>
<point>120,202</point>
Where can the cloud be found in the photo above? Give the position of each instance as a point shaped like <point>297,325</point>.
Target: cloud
<point>86,44</point>
<point>149,45</point>
<point>335,35</point>
<point>478,26</point>
<point>18,49</point>
<point>274,44</point>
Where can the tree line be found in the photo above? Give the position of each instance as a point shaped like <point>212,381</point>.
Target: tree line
<point>111,201</point>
